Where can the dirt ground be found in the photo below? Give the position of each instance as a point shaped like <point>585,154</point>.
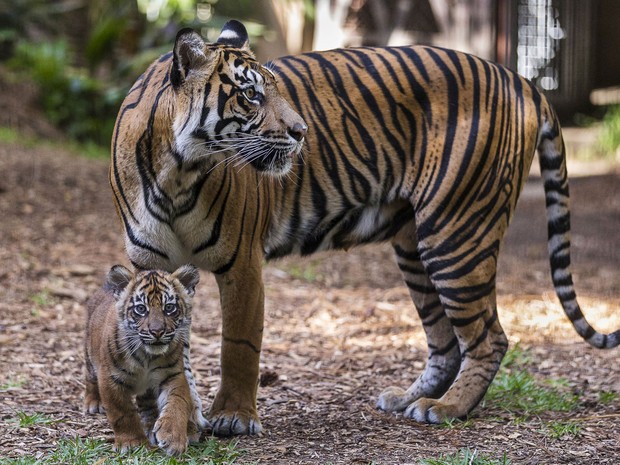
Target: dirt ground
<point>339,328</point>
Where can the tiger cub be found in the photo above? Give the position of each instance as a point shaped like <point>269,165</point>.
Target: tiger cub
<point>136,336</point>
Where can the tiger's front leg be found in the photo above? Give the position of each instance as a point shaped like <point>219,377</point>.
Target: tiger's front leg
<point>242,299</point>
<point>170,429</point>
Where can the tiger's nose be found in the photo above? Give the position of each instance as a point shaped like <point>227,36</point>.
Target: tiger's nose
<point>157,332</point>
<point>298,131</point>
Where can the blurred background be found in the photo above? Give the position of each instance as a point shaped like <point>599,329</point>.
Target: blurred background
<point>74,60</point>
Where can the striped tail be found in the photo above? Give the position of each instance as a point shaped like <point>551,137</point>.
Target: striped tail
<point>552,158</point>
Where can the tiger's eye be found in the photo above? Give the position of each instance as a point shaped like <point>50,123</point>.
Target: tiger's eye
<point>249,93</point>
<point>170,309</point>
<point>140,309</point>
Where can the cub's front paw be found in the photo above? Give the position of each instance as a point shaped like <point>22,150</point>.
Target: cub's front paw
<point>229,423</point>
<point>92,406</point>
<point>171,436</point>
<point>123,443</point>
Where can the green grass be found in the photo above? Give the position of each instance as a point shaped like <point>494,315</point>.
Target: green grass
<point>305,271</point>
<point>465,457</point>
<point>560,429</point>
<point>8,135</point>
<point>455,423</point>
<point>517,392</point>
<point>26,420</point>
<point>607,397</point>
<point>12,384</point>
<point>78,451</point>
<point>86,149</point>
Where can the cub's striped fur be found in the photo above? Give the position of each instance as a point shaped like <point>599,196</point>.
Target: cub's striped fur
<point>423,147</point>
<point>136,335</point>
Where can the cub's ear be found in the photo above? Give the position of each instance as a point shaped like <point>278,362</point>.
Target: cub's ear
<point>188,276</point>
<point>188,54</point>
<point>234,34</point>
<point>117,279</point>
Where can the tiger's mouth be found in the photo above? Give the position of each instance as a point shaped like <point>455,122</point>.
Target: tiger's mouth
<point>156,347</point>
<point>277,161</point>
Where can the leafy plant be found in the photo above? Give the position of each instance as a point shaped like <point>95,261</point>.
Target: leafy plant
<point>610,135</point>
<point>70,98</point>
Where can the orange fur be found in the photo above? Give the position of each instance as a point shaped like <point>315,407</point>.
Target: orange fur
<point>138,327</point>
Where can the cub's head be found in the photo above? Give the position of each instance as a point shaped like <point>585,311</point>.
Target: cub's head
<point>227,104</point>
<point>154,307</point>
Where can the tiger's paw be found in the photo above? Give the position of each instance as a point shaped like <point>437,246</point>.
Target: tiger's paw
<point>231,423</point>
<point>393,399</point>
<point>124,443</point>
<point>432,411</point>
<point>170,437</point>
<point>93,406</point>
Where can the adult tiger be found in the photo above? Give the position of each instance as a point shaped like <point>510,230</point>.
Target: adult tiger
<point>425,147</point>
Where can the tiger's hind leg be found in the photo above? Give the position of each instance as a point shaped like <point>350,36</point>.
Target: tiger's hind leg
<point>466,286</point>
<point>444,358</point>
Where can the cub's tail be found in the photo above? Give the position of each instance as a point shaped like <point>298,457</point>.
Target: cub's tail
<point>552,158</point>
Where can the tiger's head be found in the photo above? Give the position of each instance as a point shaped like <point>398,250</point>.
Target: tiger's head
<point>228,105</point>
<point>153,307</point>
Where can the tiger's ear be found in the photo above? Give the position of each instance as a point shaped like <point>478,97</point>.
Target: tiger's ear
<point>188,276</point>
<point>117,279</point>
<point>234,34</point>
<point>188,54</point>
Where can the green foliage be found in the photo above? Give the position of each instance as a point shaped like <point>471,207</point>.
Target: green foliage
<point>456,423</point>
<point>12,384</point>
<point>517,391</point>
<point>78,451</point>
<point>71,99</point>
<point>610,135</point>
<point>560,429</point>
<point>26,420</point>
<point>8,135</point>
<point>607,397</point>
<point>465,457</point>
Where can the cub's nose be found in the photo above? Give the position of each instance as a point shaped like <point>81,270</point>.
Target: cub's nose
<point>157,333</point>
<point>298,131</point>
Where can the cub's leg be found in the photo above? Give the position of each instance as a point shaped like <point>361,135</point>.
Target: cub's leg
<point>242,299</point>
<point>444,358</point>
<point>121,413</point>
<point>175,404</point>
<point>149,411</point>
<point>92,399</point>
<point>465,282</point>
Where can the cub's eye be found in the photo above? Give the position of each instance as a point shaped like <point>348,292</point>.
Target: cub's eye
<point>140,309</point>
<point>170,309</point>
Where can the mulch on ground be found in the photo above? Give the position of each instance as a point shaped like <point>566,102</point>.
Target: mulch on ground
<point>339,329</point>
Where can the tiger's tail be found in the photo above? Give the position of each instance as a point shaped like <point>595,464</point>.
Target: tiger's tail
<point>552,158</point>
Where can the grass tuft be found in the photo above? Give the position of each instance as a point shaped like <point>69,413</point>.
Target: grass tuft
<point>26,420</point>
<point>78,451</point>
<point>465,457</point>
<point>517,392</point>
<point>561,429</point>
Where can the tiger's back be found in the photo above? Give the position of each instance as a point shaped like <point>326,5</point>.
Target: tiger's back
<point>399,142</point>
